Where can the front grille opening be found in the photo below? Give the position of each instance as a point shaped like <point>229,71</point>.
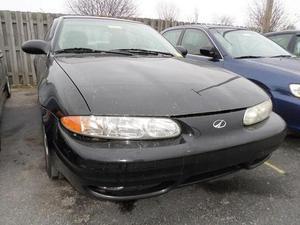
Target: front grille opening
<point>257,162</point>
<point>131,190</point>
<point>211,175</point>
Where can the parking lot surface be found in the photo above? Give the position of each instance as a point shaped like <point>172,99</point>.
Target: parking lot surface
<point>267,195</point>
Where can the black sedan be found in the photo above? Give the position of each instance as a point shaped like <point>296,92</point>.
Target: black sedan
<point>125,116</point>
<point>289,40</point>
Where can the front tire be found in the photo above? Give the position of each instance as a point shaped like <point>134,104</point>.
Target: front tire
<point>52,172</point>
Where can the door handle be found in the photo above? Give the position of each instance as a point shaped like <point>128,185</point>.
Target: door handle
<point>1,54</point>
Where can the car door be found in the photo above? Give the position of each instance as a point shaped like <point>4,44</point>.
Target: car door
<point>195,40</point>
<point>41,61</point>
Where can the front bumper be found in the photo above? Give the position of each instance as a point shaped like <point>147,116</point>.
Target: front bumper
<point>288,107</point>
<point>132,170</point>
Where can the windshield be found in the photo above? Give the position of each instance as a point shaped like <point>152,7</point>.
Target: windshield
<point>109,35</point>
<point>243,43</point>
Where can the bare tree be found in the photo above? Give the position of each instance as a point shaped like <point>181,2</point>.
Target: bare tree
<point>267,15</point>
<point>167,11</point>
<point>110,8</point>
<point>224,20</point>
<point>290,27</point>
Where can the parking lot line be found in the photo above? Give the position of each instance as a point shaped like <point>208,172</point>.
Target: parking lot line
<point>278,170</point>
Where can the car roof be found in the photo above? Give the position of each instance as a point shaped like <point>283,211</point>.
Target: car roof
<point>99,18</point>
<point>283,32</point>
<point>207,26</point>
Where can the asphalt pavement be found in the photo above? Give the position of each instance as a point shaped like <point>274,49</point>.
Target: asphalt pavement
<point>268,195</point>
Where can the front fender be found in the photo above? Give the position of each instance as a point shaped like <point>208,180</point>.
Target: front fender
<point>59,95</point>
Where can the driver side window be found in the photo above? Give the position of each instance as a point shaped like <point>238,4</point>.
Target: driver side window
<point>173,36</point>
<point>194,40</point>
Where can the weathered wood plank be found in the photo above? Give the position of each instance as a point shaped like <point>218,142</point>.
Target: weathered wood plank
<point>1,32</point>
<point>21,31</point>
<point>12,47</point>
<point>3,48</point>
<point>31,35</point>
<point>40,26</point>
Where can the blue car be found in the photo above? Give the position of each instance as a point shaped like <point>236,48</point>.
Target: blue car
<point>248,54</point>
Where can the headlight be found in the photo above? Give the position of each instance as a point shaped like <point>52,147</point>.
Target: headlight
<point>295,89</point>
<point>258,113</point>
<point>125,128</point>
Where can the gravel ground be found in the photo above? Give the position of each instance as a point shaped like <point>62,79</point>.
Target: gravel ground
<point>265,195</point>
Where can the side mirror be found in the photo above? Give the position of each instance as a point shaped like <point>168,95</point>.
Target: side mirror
<point>36,47</point>
<point>1,54</point>
<point>210,52</point>
<point>182,50</point>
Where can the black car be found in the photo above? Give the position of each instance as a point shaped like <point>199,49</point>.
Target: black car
<point>125,116</point>
<point>4,83</point>
<point>289,40</point>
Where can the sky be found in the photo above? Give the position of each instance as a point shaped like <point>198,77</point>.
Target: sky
<point>209,10</point>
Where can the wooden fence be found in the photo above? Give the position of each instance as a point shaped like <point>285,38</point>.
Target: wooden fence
<point>17,27</point>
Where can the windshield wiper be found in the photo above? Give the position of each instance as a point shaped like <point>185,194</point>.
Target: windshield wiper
<point>281,56</point>
<point>143,51</point>
<point>248,57</point>
<point>89,50</point>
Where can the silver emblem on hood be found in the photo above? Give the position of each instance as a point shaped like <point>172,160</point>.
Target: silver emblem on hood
<point>219,124</point>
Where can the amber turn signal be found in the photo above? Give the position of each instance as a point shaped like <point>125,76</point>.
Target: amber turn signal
<point>72,123</point>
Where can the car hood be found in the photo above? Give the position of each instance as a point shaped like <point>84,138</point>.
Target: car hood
<point>157,86</point>
<point>289,66</point>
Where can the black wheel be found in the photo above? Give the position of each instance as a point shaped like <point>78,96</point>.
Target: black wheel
<point>52,172</point>
<point>7,88</point>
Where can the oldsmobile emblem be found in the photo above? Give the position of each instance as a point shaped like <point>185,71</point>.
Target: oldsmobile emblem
<point>219,124</point>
